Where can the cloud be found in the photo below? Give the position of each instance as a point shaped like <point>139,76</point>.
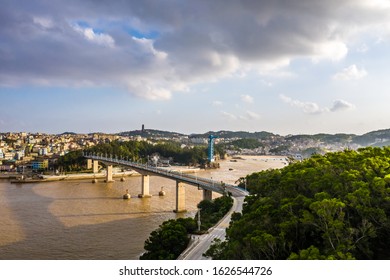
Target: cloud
<point>228,116</point>
<point>95,37</point>
<point>149,90</point>
<point>217,103</point>
<point>247,98</point>
<point>350,73</point>
<point>252,115</point>
<point>341,105</point>
<point>307,107</point>
<point>44,22</point>
<point>174,45</point>
<point>247,116</point>
<point>314,108</point>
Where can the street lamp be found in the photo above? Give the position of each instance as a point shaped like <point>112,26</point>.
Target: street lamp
<point>199,220</point>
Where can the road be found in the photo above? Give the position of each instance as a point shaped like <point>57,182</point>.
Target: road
<point>200,244</point>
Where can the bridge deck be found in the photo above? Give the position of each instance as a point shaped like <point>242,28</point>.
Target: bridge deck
<point>201,182</point>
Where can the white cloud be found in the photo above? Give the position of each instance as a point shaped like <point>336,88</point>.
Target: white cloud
<point>252,115</point>
<point>314,108</point>
<point>247,98</point>
<point>97,38</point>
<point>44,22</point>
<point>350,73</point>
<point>228,115</point>
<point>217,103</point>
<point>341,105</point>
<point>332,50</point>
<point>149,90</point>
<point>307,107</point>
<point>148,46</point>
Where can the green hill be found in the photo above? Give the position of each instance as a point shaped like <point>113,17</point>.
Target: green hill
<point>334,206</point>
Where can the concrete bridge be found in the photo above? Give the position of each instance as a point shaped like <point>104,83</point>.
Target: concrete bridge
<point>208,186</point>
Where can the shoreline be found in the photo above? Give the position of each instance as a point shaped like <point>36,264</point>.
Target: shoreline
<point>16,178</point>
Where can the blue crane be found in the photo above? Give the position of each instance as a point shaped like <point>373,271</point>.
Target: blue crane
<point>211,148</point>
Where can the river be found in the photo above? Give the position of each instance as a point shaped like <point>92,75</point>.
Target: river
<point>81,220</point>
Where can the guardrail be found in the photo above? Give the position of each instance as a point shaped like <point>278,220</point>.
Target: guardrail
<point>205,183</point>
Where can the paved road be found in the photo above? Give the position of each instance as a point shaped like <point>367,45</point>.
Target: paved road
<point>200,244</point>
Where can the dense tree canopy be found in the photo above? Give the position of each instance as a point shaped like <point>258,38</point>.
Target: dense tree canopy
<point>335,206</point>
<point>213,210</point>
<point>169,240</point>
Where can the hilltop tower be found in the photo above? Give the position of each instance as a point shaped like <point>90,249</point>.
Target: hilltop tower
<point>211,147</point>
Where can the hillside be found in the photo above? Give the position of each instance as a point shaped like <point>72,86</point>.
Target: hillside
<point>152,133</point>
<point>235,134</point>
<point>334,206</point>
<point>293,144</point>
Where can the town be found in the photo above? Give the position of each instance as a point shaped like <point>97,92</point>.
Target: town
<point>35,152</point>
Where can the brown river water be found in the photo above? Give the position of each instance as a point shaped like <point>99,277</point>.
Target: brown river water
<point>81,220</point>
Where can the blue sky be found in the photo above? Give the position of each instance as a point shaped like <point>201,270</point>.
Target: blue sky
<point>193,66</point>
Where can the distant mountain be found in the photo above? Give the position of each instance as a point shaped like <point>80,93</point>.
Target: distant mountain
<point>328,138</point>
<point>146,133</point>
<point>235,134</point>
<point>68,133</point>
<point>373,138</point>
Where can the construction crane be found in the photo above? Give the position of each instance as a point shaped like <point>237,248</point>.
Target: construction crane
<point>211,148</point>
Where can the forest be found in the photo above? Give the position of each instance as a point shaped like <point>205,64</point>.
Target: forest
<point>332,206</point>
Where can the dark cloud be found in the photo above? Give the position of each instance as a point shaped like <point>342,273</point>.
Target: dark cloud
<point>45,42</point>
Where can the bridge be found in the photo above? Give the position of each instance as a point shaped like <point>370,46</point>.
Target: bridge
<point>208,186</point>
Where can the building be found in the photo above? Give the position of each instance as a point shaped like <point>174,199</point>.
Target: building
<point>39,164</point>
<point>19,155</point>
<point>199,140</point>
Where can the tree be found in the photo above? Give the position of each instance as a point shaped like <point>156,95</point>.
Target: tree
<point>332,206</point>
<point>169,240</point>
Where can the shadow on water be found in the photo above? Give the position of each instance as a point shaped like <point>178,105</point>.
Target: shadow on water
<point>45,236</point>
<point>115,214</point>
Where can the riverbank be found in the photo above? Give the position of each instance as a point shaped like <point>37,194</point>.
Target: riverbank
<point>9,176</point>
<point>19,179</point>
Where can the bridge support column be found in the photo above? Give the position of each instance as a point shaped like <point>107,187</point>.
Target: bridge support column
<point>89,163</point>
<point>180,197</point>
<point>207,194</point>
<point>95,166</point>
<point>145,186</point>
<point>109,174</point>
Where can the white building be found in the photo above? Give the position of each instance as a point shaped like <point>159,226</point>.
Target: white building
<point>19,155</point>
<point>199,140</point>
<point>42,151</point>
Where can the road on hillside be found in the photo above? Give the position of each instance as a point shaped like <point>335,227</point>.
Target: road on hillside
<point>200,244</point>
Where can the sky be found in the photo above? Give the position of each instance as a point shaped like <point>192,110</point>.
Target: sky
<point>287,66</point>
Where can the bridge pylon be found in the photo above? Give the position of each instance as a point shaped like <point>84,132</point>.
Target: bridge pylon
<point>145,186</point>
<point>180,197</point>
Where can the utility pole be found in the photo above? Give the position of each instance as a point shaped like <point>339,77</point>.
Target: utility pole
<point>198,219</point>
